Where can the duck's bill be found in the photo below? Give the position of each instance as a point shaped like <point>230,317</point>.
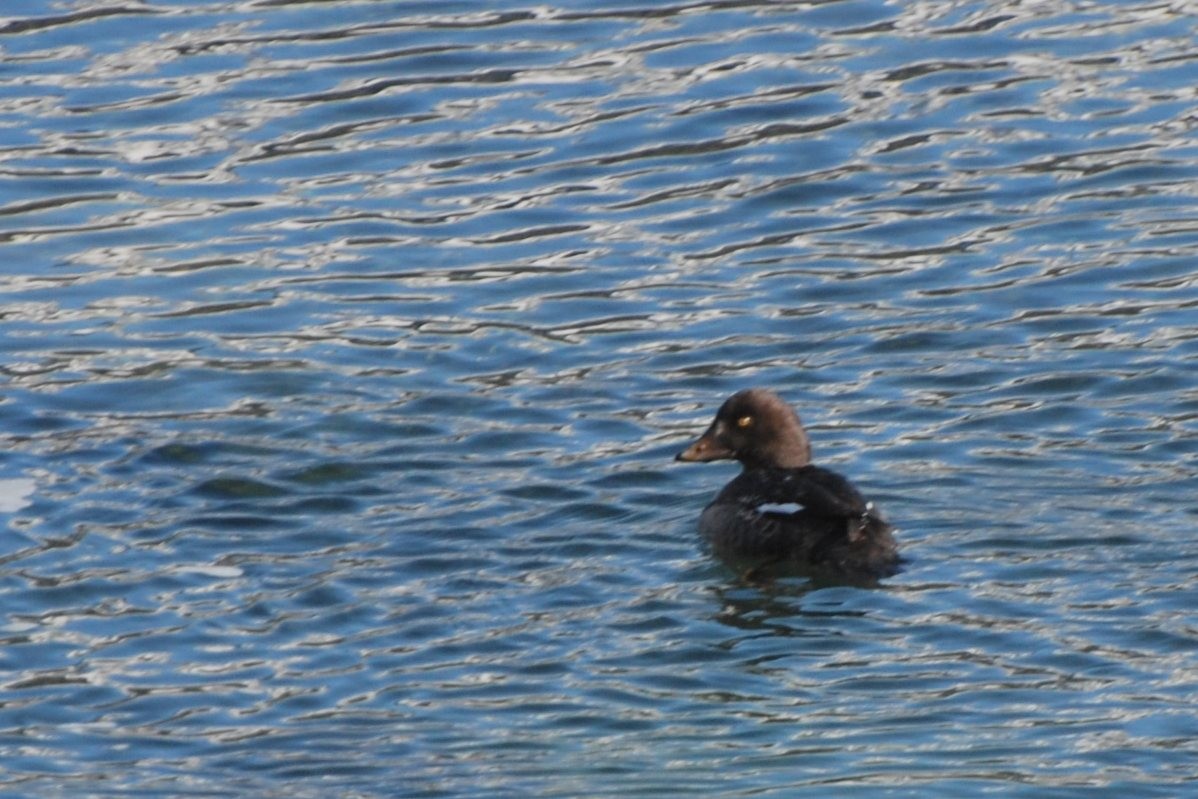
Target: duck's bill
<point>703,450</point>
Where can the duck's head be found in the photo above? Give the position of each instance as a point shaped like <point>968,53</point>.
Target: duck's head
<point>757,428</point>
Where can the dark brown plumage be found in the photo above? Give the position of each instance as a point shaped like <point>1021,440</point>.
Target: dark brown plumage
<point>782,508</point>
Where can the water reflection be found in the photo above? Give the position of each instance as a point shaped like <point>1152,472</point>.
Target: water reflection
<point>348,343</point>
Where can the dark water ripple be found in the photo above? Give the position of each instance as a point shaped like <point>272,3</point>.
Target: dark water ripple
<point>347,345</point>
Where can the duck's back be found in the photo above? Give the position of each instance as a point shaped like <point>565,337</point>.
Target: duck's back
<point>834,531</point>
<point>841,546</point>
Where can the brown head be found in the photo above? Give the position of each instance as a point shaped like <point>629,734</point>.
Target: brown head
<point>757,428</point>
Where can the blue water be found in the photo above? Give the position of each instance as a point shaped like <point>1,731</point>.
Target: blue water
<point>346,347</point>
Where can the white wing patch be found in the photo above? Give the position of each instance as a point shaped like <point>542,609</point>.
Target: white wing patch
<point>778,507</point>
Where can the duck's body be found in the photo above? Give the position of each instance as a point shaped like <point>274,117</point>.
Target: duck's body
<point>782,508</point>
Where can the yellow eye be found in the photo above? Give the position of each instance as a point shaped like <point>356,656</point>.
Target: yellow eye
<point>744,421</point>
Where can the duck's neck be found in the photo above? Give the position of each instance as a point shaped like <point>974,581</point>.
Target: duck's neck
<point>791,452</point>
<point>793,459</point>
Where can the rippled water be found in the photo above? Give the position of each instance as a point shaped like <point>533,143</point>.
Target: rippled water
<point>346,347</point>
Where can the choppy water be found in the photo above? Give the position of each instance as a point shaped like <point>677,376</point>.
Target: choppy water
<point>346,346</point>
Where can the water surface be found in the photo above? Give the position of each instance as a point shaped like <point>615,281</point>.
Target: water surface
<point>347,346</point>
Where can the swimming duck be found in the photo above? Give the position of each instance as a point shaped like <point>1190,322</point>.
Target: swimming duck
<point>781,507</point>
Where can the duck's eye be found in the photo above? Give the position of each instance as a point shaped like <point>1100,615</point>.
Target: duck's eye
<point>744,421</point>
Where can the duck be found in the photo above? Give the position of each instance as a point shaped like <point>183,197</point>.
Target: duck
<point>782,508</point>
